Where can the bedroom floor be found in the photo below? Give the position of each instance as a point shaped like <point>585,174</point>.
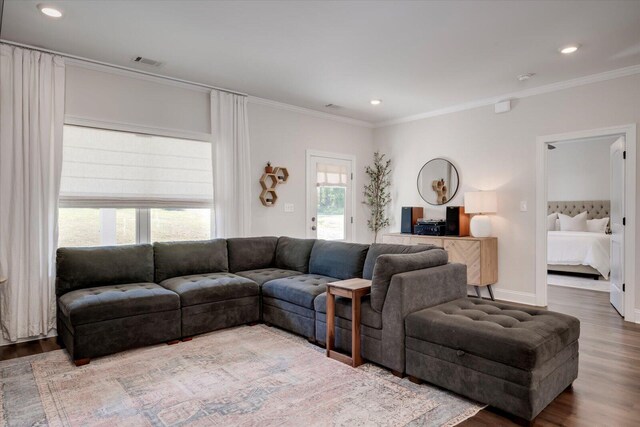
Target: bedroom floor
<point>578,282</point>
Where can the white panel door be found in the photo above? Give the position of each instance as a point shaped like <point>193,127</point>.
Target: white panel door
<point>329,198</point>
<point>617,224</point>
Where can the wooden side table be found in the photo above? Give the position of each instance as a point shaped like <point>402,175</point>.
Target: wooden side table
<point>353,289</point>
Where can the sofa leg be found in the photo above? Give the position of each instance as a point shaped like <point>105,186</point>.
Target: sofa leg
<point>398,374</point>
<point>185,339</point>
<point>82,362</point>
<point>252,323</point>
<point>415,380</point>
<point>172,342</point>
<point>311,340</point>
<point>267,324</point>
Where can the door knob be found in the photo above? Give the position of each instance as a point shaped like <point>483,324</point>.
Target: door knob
<point>313,219</point>
<point>313,228</point>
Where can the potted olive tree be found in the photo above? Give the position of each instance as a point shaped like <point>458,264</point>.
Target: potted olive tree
<point>376,193</point>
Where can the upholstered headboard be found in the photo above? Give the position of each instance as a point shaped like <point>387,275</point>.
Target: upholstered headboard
<point>596,209</point>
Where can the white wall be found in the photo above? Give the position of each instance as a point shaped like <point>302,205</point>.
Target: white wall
<point>282,137</point>
<point>579,170</point>
<point>498,152</point>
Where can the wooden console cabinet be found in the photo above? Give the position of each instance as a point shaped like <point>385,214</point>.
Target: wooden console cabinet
<point>479,254</point>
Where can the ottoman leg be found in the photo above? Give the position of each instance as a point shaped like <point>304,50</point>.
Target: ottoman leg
<point>82,362</point>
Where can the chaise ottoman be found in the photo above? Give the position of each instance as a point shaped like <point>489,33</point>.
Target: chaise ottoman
<point>513,358</point>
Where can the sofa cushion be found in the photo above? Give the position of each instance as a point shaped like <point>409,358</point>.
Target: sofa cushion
<point>377,249</point>
<point>523,337</point>
<point>81,268</point>
<point>388,265</point>
<point>264,275</point>
<point>368,316</point>
<point>97,304</point>
<point>300,290</point>
<point>337,259</point>
<point>293,254</point>
<point>251,253</point>
<point>212,287</point>
<point>173,259</point>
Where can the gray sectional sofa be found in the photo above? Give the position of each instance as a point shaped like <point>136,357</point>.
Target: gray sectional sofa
<point>114,298</point>
<point>417,318</point>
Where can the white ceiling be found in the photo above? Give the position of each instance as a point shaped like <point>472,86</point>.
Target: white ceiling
<point>415,56</point>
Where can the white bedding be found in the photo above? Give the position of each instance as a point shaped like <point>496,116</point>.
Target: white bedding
<point>579,248</point>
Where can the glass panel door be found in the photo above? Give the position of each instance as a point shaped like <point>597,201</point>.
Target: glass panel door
<point>329,205</point>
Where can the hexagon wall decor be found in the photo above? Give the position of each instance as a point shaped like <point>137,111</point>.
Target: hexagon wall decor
<point>269,182</point>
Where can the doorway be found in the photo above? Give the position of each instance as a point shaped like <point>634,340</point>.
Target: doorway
<point>585,219</point>
<point>330,210</point>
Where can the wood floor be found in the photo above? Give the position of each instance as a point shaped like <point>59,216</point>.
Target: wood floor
<point>28,348</point>
<point>606,393</point>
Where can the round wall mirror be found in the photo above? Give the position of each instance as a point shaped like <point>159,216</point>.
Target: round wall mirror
<point>438,181</point>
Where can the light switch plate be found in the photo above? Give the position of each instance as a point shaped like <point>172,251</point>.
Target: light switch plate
<point>288,207</point>
<point>523,206</point>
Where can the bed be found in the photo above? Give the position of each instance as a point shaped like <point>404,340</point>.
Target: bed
<point>579,252</point>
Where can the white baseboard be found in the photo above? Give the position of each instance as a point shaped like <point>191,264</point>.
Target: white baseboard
<point>4,342</point>
<point>527,298</point>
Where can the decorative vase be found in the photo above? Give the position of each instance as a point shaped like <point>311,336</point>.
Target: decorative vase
<point>268,169</point>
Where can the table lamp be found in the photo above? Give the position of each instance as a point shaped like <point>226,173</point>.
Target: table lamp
<point>480,203</point>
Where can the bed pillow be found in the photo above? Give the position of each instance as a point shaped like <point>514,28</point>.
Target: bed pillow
<point>597,225</point>
<point>577,223</point>
<point>551,221</point>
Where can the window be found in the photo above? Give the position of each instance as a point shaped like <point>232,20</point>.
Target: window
<point>123,188</point>
<point>180,224</point>
<point>95,227</point>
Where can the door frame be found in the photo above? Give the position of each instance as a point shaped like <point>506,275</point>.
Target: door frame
<point>338,156</point>
<point>629,132</point>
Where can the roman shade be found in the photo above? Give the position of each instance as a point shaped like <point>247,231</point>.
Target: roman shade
<point>329,175</point>
<point>103,168</point>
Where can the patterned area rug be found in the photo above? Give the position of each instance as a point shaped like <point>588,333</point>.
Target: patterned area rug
<point>246,376</point>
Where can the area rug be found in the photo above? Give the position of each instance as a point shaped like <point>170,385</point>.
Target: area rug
<point>245,376</point>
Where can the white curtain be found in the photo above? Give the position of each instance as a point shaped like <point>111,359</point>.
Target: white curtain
<point>231,164</point>
<point>31,121</point>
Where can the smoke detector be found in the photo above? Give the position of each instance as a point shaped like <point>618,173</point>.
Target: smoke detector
<point>146,61</point>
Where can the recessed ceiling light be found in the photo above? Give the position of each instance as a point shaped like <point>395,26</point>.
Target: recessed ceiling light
<point>526,76</point>
<point>569,49</point>
<point>51,12</point>
<point>375,102</point>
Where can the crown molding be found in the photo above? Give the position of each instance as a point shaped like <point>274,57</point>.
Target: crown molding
<point>553,87</point>
<point>309,112</point>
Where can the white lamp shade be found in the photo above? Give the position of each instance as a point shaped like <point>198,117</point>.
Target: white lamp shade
<point>476,202</point>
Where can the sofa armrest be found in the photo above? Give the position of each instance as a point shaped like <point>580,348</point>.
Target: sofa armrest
<point>413,291</point>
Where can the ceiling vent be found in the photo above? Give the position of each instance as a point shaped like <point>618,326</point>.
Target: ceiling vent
<point>146,61</point>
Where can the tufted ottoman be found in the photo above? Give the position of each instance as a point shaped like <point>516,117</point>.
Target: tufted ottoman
<point>513,358</point>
